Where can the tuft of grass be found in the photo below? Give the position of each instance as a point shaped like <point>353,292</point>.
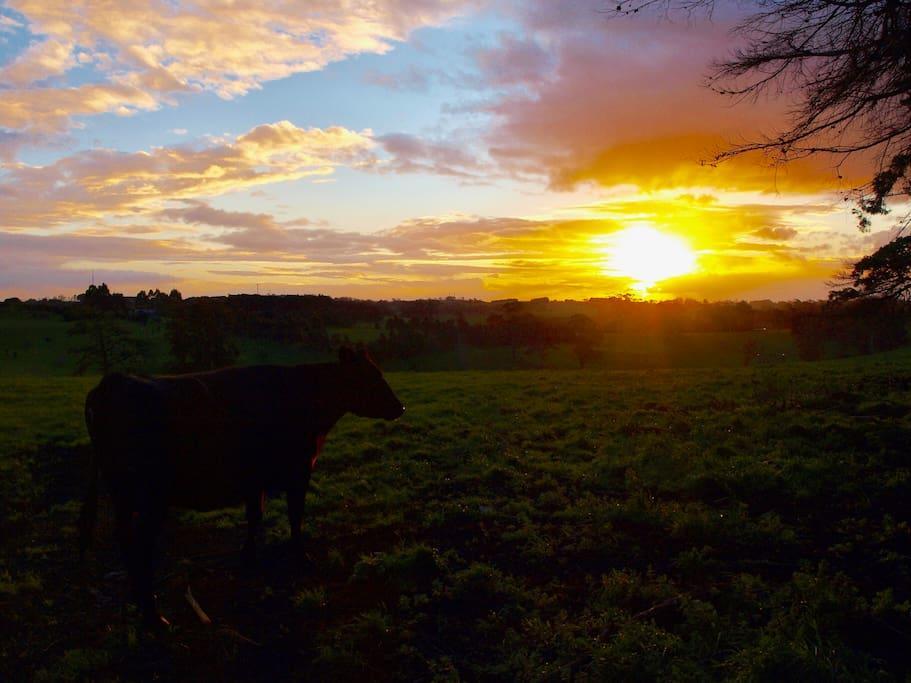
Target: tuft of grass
<point>311,600</point>
<point>75,665</point>
<point>14,585</point>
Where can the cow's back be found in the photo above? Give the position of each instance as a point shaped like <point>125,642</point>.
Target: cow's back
<point>203,440</point>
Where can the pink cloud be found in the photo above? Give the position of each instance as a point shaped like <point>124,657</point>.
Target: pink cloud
<point>513,61</point>
<point>413,154</point>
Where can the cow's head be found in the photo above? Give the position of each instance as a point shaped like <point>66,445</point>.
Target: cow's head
<point>370,396</point>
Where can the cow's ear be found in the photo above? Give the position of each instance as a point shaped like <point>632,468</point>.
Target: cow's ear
<point>345,355</point>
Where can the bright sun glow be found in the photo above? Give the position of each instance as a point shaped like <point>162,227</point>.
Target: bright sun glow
<point>648,256</point>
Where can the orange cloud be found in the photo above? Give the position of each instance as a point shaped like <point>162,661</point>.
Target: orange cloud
<point>40,60</point>
<point>683,161</point>
<point>43,111</point>
<point>626,105</point>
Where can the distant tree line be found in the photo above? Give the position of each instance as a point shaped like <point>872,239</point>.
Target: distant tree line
<point>851,328</point>
<point>407,338</point>
<point>868,312</point>
<point>202,332</point>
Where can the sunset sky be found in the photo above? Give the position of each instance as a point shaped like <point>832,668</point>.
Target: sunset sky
<point>396,149</point>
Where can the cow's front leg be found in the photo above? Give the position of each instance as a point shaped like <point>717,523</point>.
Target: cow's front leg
<point>256,502</point>
<point>143,553</point>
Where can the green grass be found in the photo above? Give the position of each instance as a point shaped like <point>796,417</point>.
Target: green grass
<point>262,352</point>
<point>31,345</point>
<point>39,344</point>
<point>695,349</point>
<point>362,333</point>
<point>42,410</point>
<point>741,523</point>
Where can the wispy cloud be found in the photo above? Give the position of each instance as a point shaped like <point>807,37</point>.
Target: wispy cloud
<point>102,183</point>
<point>775,234</point>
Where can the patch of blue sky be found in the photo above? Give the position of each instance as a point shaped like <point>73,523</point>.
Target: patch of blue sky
<point>344,93</point>
<point>14,35</point>
<point>318,99</point>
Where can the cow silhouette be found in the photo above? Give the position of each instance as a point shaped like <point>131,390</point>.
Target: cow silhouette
<point>216,439</point>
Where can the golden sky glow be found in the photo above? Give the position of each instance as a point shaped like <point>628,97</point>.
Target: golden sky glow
<point>396,148</point>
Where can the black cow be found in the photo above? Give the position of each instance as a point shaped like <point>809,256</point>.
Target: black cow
<point>215,439</point>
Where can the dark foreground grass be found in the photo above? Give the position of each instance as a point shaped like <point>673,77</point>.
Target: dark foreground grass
<point>543,525</point>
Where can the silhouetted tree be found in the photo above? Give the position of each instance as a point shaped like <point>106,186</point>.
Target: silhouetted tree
<point>870,325</point>
<point>585,336</point>
<point>199,335</point>
<point>95,295</point>
<point>886,273</point>
<point>854,326</point>
<point>100,298</point>
<point>313,334</point>
<point>810,332</point>
<point>155,298</point>
<point>109,345</point>
<point>849,64</point>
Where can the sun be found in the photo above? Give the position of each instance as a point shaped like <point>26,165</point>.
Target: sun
<point>647,256</point>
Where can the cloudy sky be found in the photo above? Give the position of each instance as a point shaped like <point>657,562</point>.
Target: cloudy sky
<point>395,148</point>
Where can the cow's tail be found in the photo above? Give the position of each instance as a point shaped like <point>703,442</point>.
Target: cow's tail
<point>89,513</point>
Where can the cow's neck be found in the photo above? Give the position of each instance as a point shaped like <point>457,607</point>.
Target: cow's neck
<point>331,392</point>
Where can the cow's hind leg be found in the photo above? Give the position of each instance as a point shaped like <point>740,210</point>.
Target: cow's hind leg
<point>296,496</point>
<point>124,533</point>
<point>256,503</point>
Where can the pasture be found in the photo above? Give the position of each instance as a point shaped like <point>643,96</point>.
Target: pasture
<point>696,524</point>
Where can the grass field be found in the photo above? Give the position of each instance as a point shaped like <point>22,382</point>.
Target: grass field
<point>741,523</point>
